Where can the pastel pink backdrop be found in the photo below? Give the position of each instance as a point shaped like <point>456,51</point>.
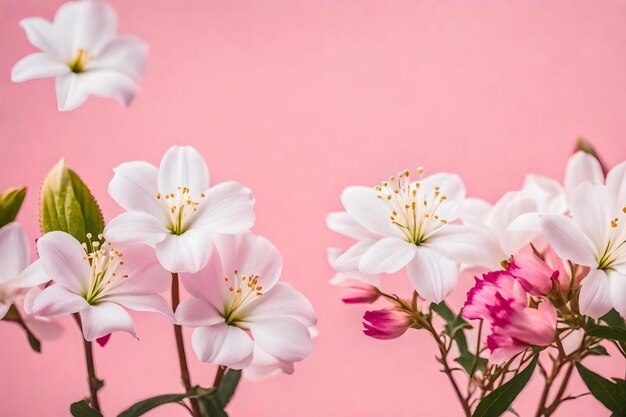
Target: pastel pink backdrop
<point>298,99</point>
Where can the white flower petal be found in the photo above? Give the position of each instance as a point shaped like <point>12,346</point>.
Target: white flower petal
<point>70,94</point>
<point>432,274</point>
<point>388,255</point>
<point>581,167</point>
<point>567,240</point>
<point>343,223</point>
<point>152,303</point>
<point>125,54</point>
<point>64,259</point>
<point>595,294</point>
<point>108,84</point>
<point>474,211</point>
<point>88,25</point>
<point>104,318</point>
<point>208,284</point>
<point>222,344</point>
<point>57,300</point>
<point>282,337</point>
<point>32,276</point>
<point>265,366</point>
<point>225,208</point>
<point>526,222</point>
<point>145,274</point>
<point>592,209</point>
<point>349,260</point>
<point>135,227</point>
<point>37,65</point>
<point>616,183</point>
<point>14,251</point>
<point>282,300</point>
<point>4,309</point>
<point>183,166</point>
<point>465,244</point>
<point>188,252</point>
<point>546,192</point>
<point>618,292</point>
<point>341,277</point>
<point>42,34</point>
<point>194,312</point>
<point>363,204</point>
<point>250,254</point>
<point>135,188</point>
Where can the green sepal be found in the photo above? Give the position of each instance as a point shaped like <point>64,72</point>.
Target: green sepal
<point>82,409</point>
<point>10,203</point>
<point>68,205</point>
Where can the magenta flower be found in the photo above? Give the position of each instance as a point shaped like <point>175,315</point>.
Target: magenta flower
<point>516,327</point>
<point>535,275</point>
<point>485,291</point>
<point>386,324</point>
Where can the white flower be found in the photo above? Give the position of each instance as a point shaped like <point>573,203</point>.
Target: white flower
<point>408,223</point>
<point>15,277</point>
<point>173,208</point>
<point>595,236</point>
<point>98,281</point>
<point>238,307</point>
<point>83,51</point>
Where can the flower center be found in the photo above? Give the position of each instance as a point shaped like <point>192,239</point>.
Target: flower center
<point>411,210</point>
<point>79,62</point>
<point>104,262</point>
<point>244,289</point>
<point>615,249</point>
<point>181,208</point>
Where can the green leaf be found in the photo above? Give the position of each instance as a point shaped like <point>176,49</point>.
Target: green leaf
<point>68,205</point>
<point>499,400</point>
<point>611,394</point>
<point>82,409</point>
<point>144,406</point>
<point>613,319</point>
<point>217,402</point>
<point>466,360</point>
<point>606,332</point>
<point>598,350</point>
<point>10,203</point>
<point>14,316</point>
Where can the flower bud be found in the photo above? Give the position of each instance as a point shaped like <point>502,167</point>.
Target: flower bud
<point>357,292</point>
<point>385,324</point>
<point>535,275</point>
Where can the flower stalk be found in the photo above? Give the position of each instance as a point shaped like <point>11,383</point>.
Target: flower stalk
<point>180,346</point>
<point>94,383</point>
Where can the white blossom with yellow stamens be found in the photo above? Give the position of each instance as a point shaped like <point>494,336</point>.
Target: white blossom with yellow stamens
<point>98,282</point>
<point>240,310</point>
<point>409,223</point>
<point>173,208</point>
<point>82,50</point>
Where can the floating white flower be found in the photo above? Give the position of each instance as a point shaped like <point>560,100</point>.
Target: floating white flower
<point>82,50</point>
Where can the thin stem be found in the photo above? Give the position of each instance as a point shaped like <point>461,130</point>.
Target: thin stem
<point>221,370</point>
<point>446,368</point>
<point>559,396</point>
<point>92,379</point>
<point>182,356</point>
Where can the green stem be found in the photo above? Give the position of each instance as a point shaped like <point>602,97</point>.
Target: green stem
<point>180,345</point>
<point>92,379</point>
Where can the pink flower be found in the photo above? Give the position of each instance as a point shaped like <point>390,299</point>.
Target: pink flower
<point>359,292</point>
<point>386,324</point>
<point>500,299</point>
<point>360,288</point>
<point>514,328</point>
<point>485,291</point>
<point>535,275</point>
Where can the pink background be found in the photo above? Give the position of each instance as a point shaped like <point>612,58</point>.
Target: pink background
<point>298,99</point>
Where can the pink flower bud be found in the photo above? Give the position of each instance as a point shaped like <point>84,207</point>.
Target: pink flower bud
<point>359,292</point>
<point>386,324</point>
<point>102,341</point>
<point>535,275</point>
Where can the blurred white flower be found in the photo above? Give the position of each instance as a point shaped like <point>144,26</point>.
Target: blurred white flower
<point>82,50</point>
